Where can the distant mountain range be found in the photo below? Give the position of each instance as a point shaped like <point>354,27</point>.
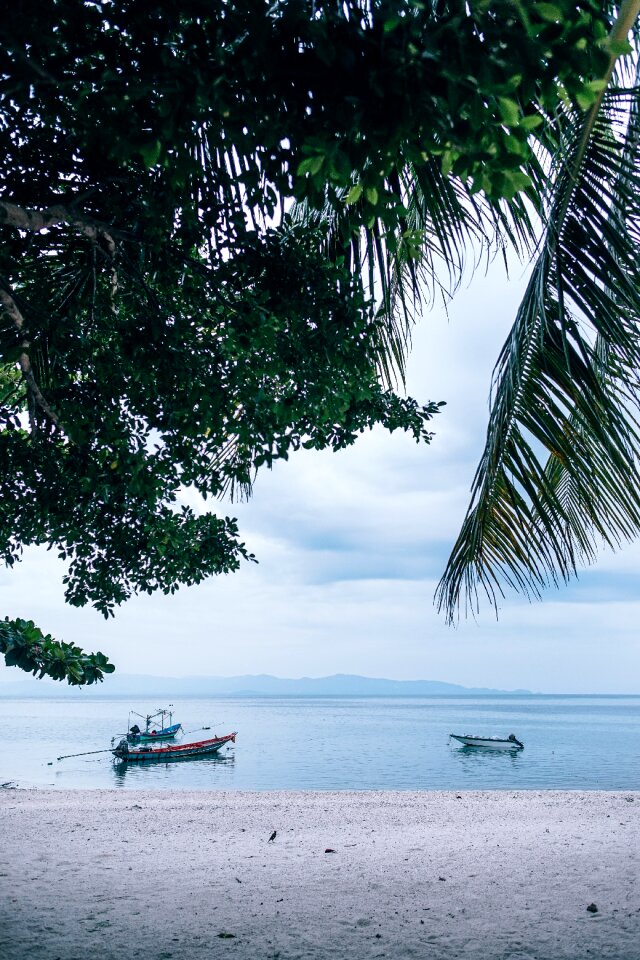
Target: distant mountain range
<point>340,684</point>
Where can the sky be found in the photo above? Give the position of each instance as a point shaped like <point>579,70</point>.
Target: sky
<point>351,547</point>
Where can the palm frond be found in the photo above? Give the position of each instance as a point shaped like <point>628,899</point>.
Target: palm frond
<point>602,517</point>
<point>566,382</point>
<point>425,256</point>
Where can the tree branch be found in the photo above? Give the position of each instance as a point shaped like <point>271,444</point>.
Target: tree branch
<point>36,220</point>
<point>11,309</point>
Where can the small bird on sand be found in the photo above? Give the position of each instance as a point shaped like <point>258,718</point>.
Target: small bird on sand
<point>272,837</point>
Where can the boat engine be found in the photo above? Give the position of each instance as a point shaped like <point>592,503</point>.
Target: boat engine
<point>122,748</point>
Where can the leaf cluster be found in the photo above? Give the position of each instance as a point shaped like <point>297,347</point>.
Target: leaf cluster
<point>25,646</point>
<point>232,105</point>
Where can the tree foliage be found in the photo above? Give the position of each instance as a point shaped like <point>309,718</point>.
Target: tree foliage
<point>25,646</point>
<point>168,319</point>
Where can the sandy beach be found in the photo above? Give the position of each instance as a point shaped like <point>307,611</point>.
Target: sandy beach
<point>123,874</point>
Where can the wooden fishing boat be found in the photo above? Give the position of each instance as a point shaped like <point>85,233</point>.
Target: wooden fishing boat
<point>495,743</point>
<point>147,736</point>
<point>153,729</point>
<point>178,751</point>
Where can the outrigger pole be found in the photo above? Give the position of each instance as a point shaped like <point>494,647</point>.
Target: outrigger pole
<point>85,754</point>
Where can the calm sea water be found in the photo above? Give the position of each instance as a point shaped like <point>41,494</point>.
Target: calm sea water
<point>335,743</point>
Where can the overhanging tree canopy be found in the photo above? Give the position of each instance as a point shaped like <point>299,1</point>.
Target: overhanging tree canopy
<point>167,319</point>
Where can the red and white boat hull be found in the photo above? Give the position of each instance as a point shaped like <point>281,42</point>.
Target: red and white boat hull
<point>179,751</point>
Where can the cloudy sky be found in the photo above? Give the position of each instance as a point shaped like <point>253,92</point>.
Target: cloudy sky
<point>351,547</point>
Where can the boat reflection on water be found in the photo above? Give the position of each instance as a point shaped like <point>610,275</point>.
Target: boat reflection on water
<point>473,758</point>
<point>137,773</point>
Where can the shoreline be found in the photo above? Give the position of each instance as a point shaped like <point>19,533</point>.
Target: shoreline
<point>188,874</point>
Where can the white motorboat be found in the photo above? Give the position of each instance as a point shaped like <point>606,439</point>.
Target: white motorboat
<point>495,743</point>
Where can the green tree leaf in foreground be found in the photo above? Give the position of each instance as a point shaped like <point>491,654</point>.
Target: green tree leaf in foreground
<point>168,321</point>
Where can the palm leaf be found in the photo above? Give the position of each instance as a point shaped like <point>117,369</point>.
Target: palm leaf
<point>424,255</point>
<point>587,513</point>
<point>566,382</point>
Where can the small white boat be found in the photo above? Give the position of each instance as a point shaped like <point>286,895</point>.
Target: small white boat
<point>495,743</point>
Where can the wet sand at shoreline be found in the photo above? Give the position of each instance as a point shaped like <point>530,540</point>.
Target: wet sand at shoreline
<point>192,875</point>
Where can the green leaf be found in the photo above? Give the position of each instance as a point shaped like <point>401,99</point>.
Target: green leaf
<point>585,98</point>
<point>549,11</point>
<point>312,165</point>
<point>354,193</point>
<point>509,111</point>
<point>531,122</point>
<point>150,153</point>
<point>391,24</point>
<point>449,157</point>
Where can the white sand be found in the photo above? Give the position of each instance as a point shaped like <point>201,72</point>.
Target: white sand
<point>122,874</point>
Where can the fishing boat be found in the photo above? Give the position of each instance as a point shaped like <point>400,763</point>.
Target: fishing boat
<point>127,753</point>
<point>495,743</point>
<point>164,733</point>
<point>153,729</point>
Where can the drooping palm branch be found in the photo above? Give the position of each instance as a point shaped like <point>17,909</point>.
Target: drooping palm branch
<point>566,382</point>
<point>425,254</point>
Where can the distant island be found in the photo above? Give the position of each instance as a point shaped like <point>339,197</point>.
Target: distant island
<point>340,684</point>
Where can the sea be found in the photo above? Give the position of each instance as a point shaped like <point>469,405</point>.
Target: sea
<point>332,743</point>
